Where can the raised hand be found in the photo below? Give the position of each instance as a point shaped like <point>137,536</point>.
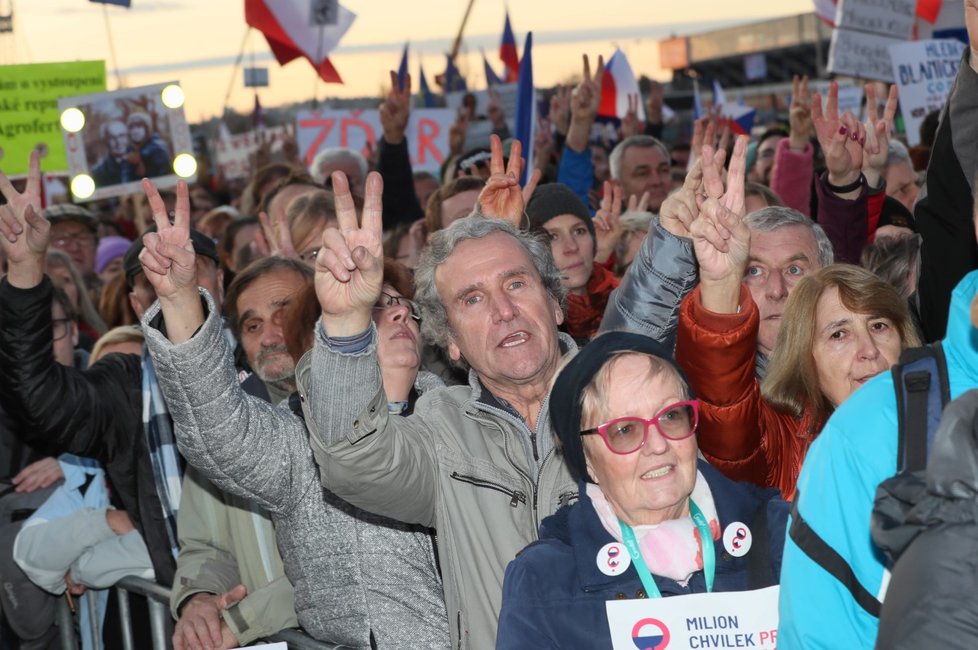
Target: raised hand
<point>841,136</point>
<point>585,99</point>
<point>607,227</point>
<point>560,109</point>
<point>654,103</point>
<point>720,235</point>
<point>396,110</point>
<point>878,130</point>
<point>456,133</point>
<point>800,113</point>
<point>277,237</point>
<point>24,233</point>
<point>494,110</point>
<point>168,257</point>
<point>680,209</point>
<point>636,204</point>
<point>629,124</point>
<point>350,265</point>
<point>502,197</point>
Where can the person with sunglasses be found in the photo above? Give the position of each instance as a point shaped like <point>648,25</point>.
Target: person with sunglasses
<point>626,419</point>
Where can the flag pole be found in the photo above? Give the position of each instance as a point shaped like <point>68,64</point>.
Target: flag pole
<point>115,61</point>
<point>458,38</point>
<point>234,70</point>
<point>319,58</point>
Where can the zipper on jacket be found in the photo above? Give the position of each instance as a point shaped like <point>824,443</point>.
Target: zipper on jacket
<point>458,619</point>
<point>516,496</point>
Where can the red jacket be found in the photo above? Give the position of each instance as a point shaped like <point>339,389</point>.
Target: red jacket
<point>739,432</point>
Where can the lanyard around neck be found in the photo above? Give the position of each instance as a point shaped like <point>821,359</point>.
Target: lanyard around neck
<point>706,546</point>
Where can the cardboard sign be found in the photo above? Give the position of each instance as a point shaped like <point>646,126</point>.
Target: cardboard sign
<point>864,31</point>
<point>924,71</point>
<point>29,115</point>
<point>733,619</point>
<point>127,135</point>
<point>233,154</point>
<point>256,77</point>
<point>427,134</point>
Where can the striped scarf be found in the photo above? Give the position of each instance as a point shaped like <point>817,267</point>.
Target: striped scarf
<point>164,457</point>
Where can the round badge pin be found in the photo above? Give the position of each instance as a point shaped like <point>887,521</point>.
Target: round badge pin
<point>737,539</point>
<point>613,559</point>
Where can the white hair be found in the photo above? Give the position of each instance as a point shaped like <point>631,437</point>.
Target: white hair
<point>335,155</point>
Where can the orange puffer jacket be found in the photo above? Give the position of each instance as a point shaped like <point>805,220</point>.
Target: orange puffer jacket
<point>740,433</point>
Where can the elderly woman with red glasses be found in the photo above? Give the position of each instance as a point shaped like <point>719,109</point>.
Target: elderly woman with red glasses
<point>653,521</point>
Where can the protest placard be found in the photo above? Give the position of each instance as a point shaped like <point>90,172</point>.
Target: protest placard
<point>924,71</point>
<point>864,31</point>
<point>427,133</point>
<point>233,154</point>
<point>29,112</point>
<point>479,131</point>
<point>733,619</point>
<point>127,135</point>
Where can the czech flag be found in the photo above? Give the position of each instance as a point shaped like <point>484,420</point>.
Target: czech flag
<point>492,79</point>
<point>451,79</point>
<point>402,69</point>
<point>427,97</point>
<point>526,107</point>
<point>741,118</point>
<point>616,85</point>
<point>285,24</point>
<point>508,53</point>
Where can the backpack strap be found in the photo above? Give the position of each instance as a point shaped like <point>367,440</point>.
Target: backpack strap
<point>759,574</point>
<point>819,551</point>
<point>922,390</point>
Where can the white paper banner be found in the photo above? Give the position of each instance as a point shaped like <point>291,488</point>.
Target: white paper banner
<point>924,71</point>
<point>733,619</point>
<point>864,31</point>
<point>427,133</point>
<point>233,154</point>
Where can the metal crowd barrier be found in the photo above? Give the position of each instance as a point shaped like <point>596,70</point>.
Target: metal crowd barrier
<point>161,624</point>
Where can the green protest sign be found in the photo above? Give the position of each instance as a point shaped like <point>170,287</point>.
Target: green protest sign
<point>29,114</point>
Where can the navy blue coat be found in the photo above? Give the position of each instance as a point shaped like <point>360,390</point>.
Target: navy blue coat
<point>554,595</point>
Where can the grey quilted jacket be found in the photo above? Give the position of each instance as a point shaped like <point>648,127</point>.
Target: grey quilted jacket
<point>356,575</point>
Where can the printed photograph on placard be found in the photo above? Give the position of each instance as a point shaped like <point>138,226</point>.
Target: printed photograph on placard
<point>117,138</point>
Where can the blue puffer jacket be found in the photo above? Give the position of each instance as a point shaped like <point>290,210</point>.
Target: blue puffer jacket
<point>855,452</point>
<point>554,595</point>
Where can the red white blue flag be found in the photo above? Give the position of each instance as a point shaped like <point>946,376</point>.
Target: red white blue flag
<point>526,107</point>
<point>508,53</point>
<point>617,85</point>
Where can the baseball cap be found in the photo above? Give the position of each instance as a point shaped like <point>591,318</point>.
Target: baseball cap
<point>203,245</point>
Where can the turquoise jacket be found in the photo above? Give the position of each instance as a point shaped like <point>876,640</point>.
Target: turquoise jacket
<point>855,452</point>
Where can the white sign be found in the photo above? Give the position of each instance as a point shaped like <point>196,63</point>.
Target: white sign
<point>732,619</point>
<point>893,18</point>
<point>866,56</point>
<point>233,154</point>
<point>924,71</point>
<point>479,131</point>
<point>864,31</point>
<point>850,98</point>
<point>256,77</point>
<point>427,134</point>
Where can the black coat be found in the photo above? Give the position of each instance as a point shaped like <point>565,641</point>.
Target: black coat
<point>928,526</point>
<point>95,413</point>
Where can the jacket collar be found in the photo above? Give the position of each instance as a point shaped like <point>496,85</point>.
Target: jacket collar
<point>580,528</point>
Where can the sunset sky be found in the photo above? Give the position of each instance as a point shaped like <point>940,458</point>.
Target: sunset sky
<point>196,41</point>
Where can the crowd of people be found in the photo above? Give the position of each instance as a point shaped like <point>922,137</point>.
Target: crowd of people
<point>398,410</point>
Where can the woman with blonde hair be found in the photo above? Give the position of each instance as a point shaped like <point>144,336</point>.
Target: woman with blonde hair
<point>64,275</point>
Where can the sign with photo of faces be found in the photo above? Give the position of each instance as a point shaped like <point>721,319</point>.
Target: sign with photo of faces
<point>115,139</point>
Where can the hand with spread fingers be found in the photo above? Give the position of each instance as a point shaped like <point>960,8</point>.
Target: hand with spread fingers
<point>681,208</point>
<point>24,233</point>
<point>720,235</point>
<point>841,136</point>
<point>168,257</point>
<point>630,124</point>
<point>395,112</point>
<point>502,197</point>
<point>607,226</point>
<point>800,114</point>
<point>584,103</point>
<point>277,237</point>
<point>877,147</point>
<point>350,265</point>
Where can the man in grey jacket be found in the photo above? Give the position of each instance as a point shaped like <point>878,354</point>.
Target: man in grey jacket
<point>478,463</point>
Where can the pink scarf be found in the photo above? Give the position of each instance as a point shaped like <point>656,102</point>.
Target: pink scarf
<point>670,549</point>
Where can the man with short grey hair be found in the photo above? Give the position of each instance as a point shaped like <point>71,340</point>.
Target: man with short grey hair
<point>641,164</point>
<point>478,463</point>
